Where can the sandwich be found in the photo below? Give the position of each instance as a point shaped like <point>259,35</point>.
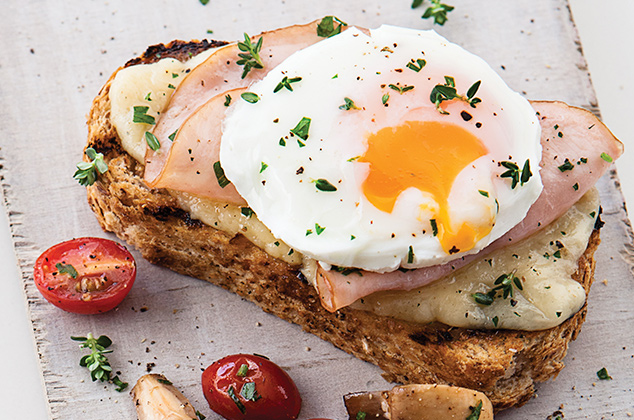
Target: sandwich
<point>384,189</point>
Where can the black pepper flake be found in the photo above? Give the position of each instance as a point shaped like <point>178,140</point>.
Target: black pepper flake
<point>299,171</point>
<point>466,116</point>
<point>453,250</point>
<point>478,124</point>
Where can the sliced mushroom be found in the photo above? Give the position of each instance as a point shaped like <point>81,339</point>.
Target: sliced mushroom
<point>420,402</point>
<point>156,398</point>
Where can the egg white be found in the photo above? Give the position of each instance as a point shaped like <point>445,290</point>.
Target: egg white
<point>342,227</point>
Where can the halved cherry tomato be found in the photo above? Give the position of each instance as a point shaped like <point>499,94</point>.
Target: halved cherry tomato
<point>250,387</point>
<point>85,275</point>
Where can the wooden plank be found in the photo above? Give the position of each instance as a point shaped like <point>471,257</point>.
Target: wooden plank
<point>58,57</point>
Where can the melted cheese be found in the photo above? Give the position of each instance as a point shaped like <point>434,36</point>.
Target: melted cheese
<point>549,294</point>
<point>543,262</point>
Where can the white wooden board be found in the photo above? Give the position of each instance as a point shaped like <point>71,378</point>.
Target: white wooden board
<point>56,56</point>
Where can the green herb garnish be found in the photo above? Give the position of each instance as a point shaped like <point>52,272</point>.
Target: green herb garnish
<point>475,411</point>
<point>140,115</point>
<point>220,175</point>
<point>152,141</point>
<point>385,98</point>
<point>436,10</point>
<point>250,57</point>
<point>173,135</point>
<point>361,415</point>
<point>484,193</point>
<point>232,394</point>
<point>286,83</point>
<point>204,2</point>
<point>227,100</point>
<point>263,166</point>
<point>447,92</point>
<point>246,211</point>
<point>348,105</point>
<point>495,321</point>
<point>319,229</point>
<point>603,374</point>
<point>250,97</point>
<point>416,65</point>
<point>86,173</point>
<point>323,185</point>
<point>200,415</point>
<point>164,381</point>
<point>517,175</point>
<point>504,283</point>
<point>606,157</point>
<point>329,26</point>
<point>434,227</point>
<point>66,269</point>
<point>147,97</point>
<point>171,86</point>
<point>567,166</point>
<point>302,127</point>
<point>346,271</point>
<point>96,362</point>
<point>244,368</point>
<point>249,393</point>
<point>410,255</point>
<point>400,89</point>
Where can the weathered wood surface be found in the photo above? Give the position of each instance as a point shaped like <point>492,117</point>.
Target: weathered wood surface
<point>56,56</point>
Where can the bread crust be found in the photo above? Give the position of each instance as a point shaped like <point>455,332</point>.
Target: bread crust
<point>503,364</point>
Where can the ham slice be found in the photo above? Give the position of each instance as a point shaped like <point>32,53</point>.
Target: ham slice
<point>212,78</point>
<point>577,150</point>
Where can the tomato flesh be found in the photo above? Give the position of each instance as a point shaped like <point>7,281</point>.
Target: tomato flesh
<point>273,395</point>
<point>104,270</point>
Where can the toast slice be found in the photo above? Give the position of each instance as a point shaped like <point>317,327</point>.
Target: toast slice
<point>503,364</point>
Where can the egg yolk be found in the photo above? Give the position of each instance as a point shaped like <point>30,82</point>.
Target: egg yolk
<point>427,155</point>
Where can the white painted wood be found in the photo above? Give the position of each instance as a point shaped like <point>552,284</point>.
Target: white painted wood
<point>47,91</point>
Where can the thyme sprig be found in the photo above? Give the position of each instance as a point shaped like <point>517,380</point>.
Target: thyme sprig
<point>250,57</point>
<point>504,283</point>
<point>447,92</point>
<point>517,176</point>
<point>87,172</point>
<point>437,10</point>
<point>286,83</point>
<point>329,26</point>
<point>96,362</point>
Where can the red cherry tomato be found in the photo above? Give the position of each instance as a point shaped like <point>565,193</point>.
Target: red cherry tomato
<point>85,275</point>
<point>249,387</point>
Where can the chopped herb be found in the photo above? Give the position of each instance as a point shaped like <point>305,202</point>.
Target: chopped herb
<point>171,86</point>
<point>558,314</point>
<point>352,237</point>
<point>152,141</point>
<point>324,185</point>
<point>164,381</point>
<point>319,229</point>
<point>352,159</point>
<point>232,394</point>
<point>606,157</point>
<point>560,134</point>
<point>244,369</point>
<point>204,2</point>
<point>249,393</point>
<point>556,126</point>
<point>246,211</point>
<point>147,97</point>
<point>557,254</point>
<point>263,166</point>
<point>513,172</point>
<point>301,129</point>
<point>495,321</point>
<point>361,415</point>
<point>583,160</point>
<point>447,92</point>
<point>220,175</point>
<point>227,100</point>
<point>436,10</point>
<point>416,65</point>
<point>335,76</point>
<point>475,411</point>
<point>286,83</point>
<point>250,97</point>
<point>484,193</point>
<point>434,227</point>
<point>66,269</point>
<point>96,362</point>
<point>567,166</point>
<point>410,255</point>
<point>504,283</point>
<point>593,214</point>
<point>282,142</point>
<point>250,57</point>
<point>291,252</point>
<point>385,98</point>
<point>174,75</point>
<point>86,173</point>
<point>575,187</point>
<point>309,232</point>
<point>200,415</point>
<point>603,374</point>
<point>329,26</point>
<point>346,271</point>
<point>141,117</point>
<point>173,135</point>
<point>348,105</point>
<point>400,89</point>
<point>210,31</point>
<point>482,299</point>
